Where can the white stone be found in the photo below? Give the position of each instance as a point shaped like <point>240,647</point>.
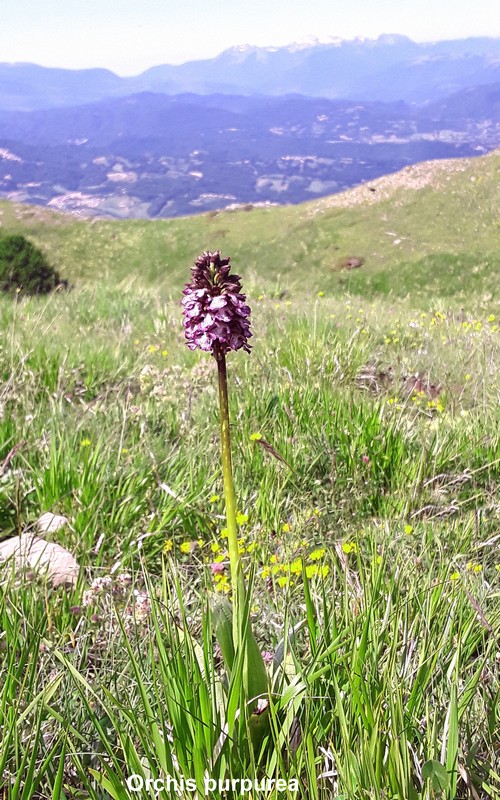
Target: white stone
<point>48,522</point>
<point>54,561</point>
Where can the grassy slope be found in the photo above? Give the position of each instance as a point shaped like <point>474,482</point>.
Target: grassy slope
<point>431,229</point>
<point>109,405</point>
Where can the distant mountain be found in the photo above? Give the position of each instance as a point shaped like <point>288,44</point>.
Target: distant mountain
<point>387,69</point>
<point>475,102</point>
<point>151,155</point>
<point>25,87</point>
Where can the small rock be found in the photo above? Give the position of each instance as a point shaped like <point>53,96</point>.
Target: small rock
<point>48,558</point>
<point>48,523</point>
<point>352,262</point>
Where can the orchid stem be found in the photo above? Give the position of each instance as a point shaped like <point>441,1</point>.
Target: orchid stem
<point>237,580</point>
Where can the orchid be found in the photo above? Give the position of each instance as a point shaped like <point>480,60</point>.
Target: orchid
<point>217,320</point>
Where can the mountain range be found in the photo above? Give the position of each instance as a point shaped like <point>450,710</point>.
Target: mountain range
<point>387,69</point>
<point>252,126</point>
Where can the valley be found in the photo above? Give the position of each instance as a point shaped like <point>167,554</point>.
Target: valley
<point>155,156</point>
<point>254,126</point>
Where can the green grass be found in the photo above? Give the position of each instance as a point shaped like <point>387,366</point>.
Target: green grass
<point>379,540</point>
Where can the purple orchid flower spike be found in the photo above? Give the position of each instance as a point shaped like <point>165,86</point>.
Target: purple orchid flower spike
<point>216,317</point>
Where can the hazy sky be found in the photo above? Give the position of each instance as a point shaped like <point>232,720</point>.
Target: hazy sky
<point>128,36</point>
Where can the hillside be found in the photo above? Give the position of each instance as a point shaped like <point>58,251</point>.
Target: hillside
<point>432,224</point>
<point>365,432</point>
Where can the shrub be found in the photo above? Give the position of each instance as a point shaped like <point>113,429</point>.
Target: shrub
<point>24,266</point>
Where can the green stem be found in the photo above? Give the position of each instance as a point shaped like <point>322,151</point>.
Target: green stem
<point>255,678</point>
<point>237,581</point>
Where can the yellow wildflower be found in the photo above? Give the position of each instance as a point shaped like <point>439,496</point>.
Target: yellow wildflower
<point>168,546</point>
<point>317,554</point>
<point>222,583</point>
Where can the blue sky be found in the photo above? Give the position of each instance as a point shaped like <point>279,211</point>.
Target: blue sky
<point>129,36</point>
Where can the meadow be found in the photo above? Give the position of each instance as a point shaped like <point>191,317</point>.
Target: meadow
<point>366,447</point>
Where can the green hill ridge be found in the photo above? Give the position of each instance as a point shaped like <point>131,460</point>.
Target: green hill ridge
<point>432,228</point>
